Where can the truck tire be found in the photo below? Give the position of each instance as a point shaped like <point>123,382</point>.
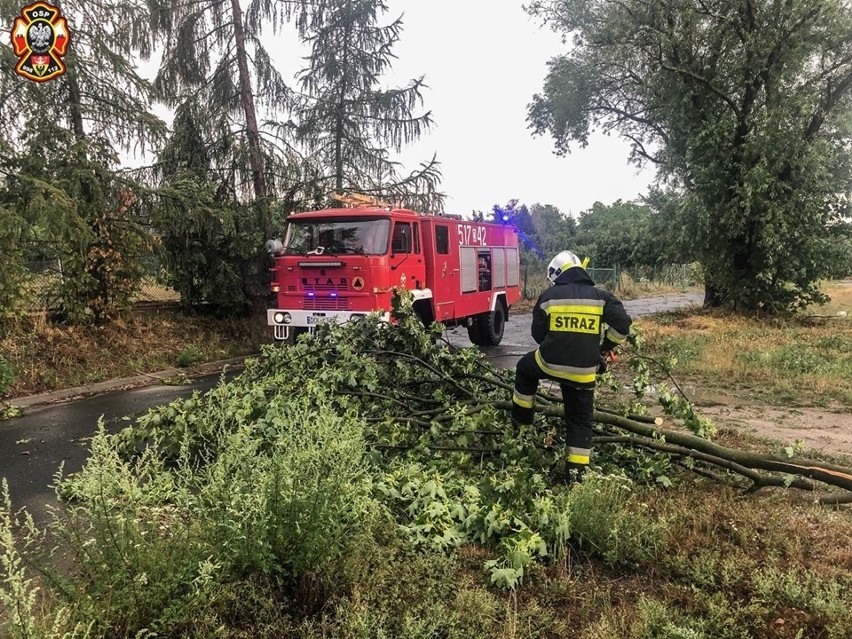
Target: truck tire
<point>487,328</point>
<point>493,325</point>
<point>473,331</point>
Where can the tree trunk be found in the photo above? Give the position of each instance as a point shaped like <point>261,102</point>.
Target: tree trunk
<point>74,98</point>
<point>712,295</point>
<point>252,131</point>
<point>338,154</point>
<point>340,117</point>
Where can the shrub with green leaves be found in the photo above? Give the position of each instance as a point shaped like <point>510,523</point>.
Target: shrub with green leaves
<point>448,464</point>
<point>282,475</point>
<point>159,534</point>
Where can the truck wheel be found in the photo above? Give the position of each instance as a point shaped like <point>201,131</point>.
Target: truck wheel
<point>487,328</point>
<point>492,326</point>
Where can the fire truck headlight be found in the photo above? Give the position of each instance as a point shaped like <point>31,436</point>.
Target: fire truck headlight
<point>282,318</point>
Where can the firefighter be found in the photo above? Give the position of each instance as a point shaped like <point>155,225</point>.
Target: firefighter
<point>568,321</point>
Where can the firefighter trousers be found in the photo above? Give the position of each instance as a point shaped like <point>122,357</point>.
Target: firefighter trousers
<point>578,404</point>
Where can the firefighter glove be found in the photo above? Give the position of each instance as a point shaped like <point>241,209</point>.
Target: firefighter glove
<point>608,345</point>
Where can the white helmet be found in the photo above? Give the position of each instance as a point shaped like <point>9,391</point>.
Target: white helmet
<point>561,263</point>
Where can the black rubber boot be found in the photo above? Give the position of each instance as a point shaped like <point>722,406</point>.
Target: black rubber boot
<point>564,472</point>
<point>575,472</point>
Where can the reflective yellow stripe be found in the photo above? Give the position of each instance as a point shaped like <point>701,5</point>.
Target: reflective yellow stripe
<point>521,400</point>
<point>578,459</point>
<point>575,308</point>
<point>572,301</point>
<point>614,336</point>
<point>582,378</point>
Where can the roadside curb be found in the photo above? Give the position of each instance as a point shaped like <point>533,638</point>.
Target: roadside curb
<point>123,383</point>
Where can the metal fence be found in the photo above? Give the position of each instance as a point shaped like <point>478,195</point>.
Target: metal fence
<point>677,275</point>
<point>607,278</point>
<point>534,279</point>
<point>42,284</point>
<point>44,279</point>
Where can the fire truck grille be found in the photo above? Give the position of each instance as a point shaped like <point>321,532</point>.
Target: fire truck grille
<point>328,287</point>
<point>326,304</point>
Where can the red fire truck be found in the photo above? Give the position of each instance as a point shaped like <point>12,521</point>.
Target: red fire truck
<point>340,264</point>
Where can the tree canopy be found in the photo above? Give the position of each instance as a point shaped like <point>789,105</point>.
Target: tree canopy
<point>228,172</point>
<point>617,235</point>
<point>744,108</point>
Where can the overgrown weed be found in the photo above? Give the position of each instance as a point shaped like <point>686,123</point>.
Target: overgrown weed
<point>786,361</point>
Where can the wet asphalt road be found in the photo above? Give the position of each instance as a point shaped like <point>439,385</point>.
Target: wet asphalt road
<point>517,339</point>
<point>33,446</point>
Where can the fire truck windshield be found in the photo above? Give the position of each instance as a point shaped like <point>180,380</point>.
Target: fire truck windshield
<point>338,236</point>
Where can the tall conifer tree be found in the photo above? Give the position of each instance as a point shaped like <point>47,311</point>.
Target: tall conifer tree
<point>64,135</point>
<point>351,124</point>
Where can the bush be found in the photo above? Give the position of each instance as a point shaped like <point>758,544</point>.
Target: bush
<point>288,504</point>
<point>7,375</point>
<point>188,356</point>
<point>155,542</point>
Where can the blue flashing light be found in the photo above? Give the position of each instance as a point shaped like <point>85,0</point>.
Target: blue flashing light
<point>505,218</point>
<point>311,294</point>
<point>334,295</point>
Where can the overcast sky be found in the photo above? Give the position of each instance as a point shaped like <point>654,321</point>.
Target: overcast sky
<point>483,61</point>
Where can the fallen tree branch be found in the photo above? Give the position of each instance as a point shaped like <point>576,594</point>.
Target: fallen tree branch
<point>741,462</point>
<point>758,481</point>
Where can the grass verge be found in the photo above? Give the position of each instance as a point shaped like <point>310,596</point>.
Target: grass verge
<point>36,356</point>
<point>800,361</point>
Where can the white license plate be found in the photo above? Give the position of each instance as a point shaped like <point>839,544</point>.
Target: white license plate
<point>316,319</point>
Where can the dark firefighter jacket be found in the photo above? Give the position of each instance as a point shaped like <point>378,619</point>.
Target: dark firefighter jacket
<point>568,320</point>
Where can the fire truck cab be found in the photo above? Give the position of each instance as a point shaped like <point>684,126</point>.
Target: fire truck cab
<point>340,264</point>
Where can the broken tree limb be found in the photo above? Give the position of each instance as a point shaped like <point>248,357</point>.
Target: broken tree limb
<point>645,419</point>
<point>473,391</point>
<point>731,459</point>
<point>826,473</point>
<point>759,481</point>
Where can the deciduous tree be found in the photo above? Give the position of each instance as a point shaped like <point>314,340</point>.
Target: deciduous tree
<point>617,235</point>
<point>742,105</point>
<point>555,231</point>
